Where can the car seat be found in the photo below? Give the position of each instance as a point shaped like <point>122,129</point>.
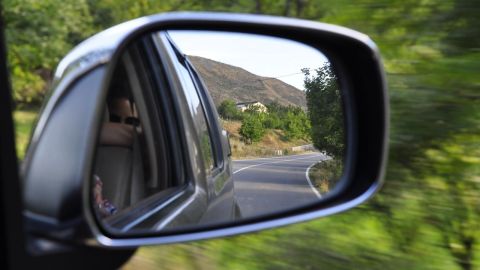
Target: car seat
<point>118,159</point>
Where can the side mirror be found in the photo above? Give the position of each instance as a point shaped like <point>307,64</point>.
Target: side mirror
<point>133,144</point>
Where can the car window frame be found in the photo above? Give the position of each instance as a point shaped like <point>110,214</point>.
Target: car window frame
<point>211,118</point>
<point>151,98</point>
<point>201,92</point>
<point>149,210</point>
<point>184,78</point>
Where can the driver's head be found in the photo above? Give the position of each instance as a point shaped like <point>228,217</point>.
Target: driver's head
<point>120,109</point>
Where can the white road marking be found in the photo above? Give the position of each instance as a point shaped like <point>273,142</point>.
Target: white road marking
<point>273,187</point>
<point>306,172</point>
<point>275,157</point>
<point>310,182</point>
<point>272,162</point>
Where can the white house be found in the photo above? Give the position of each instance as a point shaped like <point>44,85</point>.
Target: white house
<point>242,106</point>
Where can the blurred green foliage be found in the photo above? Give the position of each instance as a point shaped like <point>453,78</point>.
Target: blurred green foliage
<point>427,214</point>
<point>23,126</point>
<point>39,34</point>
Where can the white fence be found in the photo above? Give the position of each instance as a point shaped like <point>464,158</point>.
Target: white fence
<point>306,147</point>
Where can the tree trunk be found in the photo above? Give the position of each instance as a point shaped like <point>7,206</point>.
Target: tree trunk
<point>288,5</point>
<point>301,7</point>
<point>258,6</point>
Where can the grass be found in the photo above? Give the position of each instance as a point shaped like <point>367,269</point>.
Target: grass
<point>273,143</point>
<point>325,174</point>
<point>24,120</point>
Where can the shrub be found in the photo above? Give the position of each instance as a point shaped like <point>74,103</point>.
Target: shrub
<point>252,129</point>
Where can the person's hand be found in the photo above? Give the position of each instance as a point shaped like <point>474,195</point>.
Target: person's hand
<point>103,206</point>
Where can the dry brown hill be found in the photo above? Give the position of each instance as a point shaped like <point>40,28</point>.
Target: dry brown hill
<point>230,82</point>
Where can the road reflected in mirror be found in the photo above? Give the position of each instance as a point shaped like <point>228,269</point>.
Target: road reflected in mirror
<point>262,131</point>
<point>269,185</point>
<point>267,90</point>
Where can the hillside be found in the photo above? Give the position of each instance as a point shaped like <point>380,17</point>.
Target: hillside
<point>230,82</point>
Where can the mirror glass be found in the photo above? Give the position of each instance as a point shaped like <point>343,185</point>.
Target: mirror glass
<point>206,127</point>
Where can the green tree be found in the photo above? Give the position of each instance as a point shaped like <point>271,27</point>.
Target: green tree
<point>296,124</point>
<point>324,104</point>
<point>228,110</point>
<point>272,121</point>
<point>276,112</point>
<point>252,129</point>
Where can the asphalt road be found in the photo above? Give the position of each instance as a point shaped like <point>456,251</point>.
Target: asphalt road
<point>267,185</point>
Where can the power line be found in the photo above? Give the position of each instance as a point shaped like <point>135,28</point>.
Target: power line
<point>281,76</point>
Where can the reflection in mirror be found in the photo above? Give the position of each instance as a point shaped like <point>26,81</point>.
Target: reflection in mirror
<point>279,100</point>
